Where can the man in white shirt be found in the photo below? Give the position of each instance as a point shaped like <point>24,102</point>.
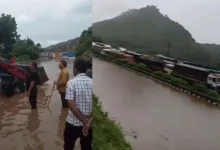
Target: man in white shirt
<point>79,96</point>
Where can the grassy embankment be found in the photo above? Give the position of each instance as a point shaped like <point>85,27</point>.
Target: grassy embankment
<point>107,135</point>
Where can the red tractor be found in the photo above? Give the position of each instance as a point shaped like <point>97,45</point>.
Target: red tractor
<point>13,77</point>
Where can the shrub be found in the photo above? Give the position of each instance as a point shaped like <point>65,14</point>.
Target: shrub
<point>212,93</point>
<point>111,57</point>
<point>118,60</point>
<point>148,70</point>
<point>179,81</point>
<point>131,64</point>
<point>103,55</point>
<point>141,66</point>
<point>199,87</point>
<point>174,80</point>
<point>158,73</point>
<point>166,76</point>
<point>107,56</point>
<point>123,61</point>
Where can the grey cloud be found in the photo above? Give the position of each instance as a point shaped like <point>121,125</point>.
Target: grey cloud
<point>200,17</point>
<point>49,21</point>
<point>84,7</point>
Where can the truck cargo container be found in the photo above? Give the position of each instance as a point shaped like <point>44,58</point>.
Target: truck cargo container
<point>136,56</point>
<point>197,74</point>
<point>127,57</point>
<point>96,48</point>
<point>164,58</point>
<point>120,55</point>
<point>153,64</point>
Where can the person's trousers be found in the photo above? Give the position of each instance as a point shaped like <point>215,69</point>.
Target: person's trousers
<point>63,100</point>
<point>72,133</point>
<point>33,98</point>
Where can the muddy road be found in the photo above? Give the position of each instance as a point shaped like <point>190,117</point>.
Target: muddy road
<point>162,118</point>
<point>24,129</point>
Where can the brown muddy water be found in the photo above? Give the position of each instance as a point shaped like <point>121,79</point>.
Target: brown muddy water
<point>162,118</point>
<point>24,129</point>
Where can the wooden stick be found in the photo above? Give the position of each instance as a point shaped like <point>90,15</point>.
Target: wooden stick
<point>50,96</point>
<point>35,131</point>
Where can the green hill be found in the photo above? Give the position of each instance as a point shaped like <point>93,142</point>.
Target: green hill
<point>146,30</point>
<point>211,47</point>
<point>64,46</point>
<point>81,45</point>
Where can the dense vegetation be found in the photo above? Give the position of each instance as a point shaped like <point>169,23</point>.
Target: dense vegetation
<point>84,47</point>
<point>212,47</point>
<point>162,76</point>
<point>214,52</point>
<point>107,135</point>
<point>85,42</point>
<point>10,42</point>
<point>26,49</point>
<point>146,30</point>
<point>64,46</point>
<point>8,34</point>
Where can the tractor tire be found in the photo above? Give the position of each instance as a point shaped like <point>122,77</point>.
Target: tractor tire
<point>15,87</point>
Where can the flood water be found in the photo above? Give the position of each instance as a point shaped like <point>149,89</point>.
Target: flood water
<point>24,129</point>
<point>163,118</point>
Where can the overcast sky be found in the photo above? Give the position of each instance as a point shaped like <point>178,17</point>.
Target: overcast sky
<point>49,21</point>
<point>200,17</point>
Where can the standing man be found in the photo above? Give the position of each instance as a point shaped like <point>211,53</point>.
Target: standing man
<point>62,81</point>
<point>79,97</point>
<point>31,85</point>
<point>89,69</point>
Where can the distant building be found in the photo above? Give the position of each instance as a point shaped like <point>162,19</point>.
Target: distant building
<point>44,54</point>
<point>69,55</point>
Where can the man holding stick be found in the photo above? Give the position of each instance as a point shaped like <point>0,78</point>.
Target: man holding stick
<point>79,97</point>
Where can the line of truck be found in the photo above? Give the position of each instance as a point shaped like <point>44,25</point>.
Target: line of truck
<point>191,72</point>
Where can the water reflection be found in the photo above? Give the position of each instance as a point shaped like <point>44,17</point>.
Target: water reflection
<point>33,122</point>
<point>33,128</point>
<point>62,120</point>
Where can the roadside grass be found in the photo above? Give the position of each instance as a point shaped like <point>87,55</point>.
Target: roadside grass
<point>107,135</point>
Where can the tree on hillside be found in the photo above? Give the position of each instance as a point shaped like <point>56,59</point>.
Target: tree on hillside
<point>85,42</point>
<point>26,49</point>
<point>38,45</point>
<point>8,34</point>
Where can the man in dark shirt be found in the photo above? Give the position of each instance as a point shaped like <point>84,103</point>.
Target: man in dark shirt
<point>31,85</point>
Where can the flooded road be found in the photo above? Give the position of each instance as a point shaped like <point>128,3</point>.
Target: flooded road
<point>164,119</point>
<point>24,129</point>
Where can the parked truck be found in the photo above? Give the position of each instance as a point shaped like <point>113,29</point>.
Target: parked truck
<point>13,77</point>
<point>138,58</point>
<point>198,74</point>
